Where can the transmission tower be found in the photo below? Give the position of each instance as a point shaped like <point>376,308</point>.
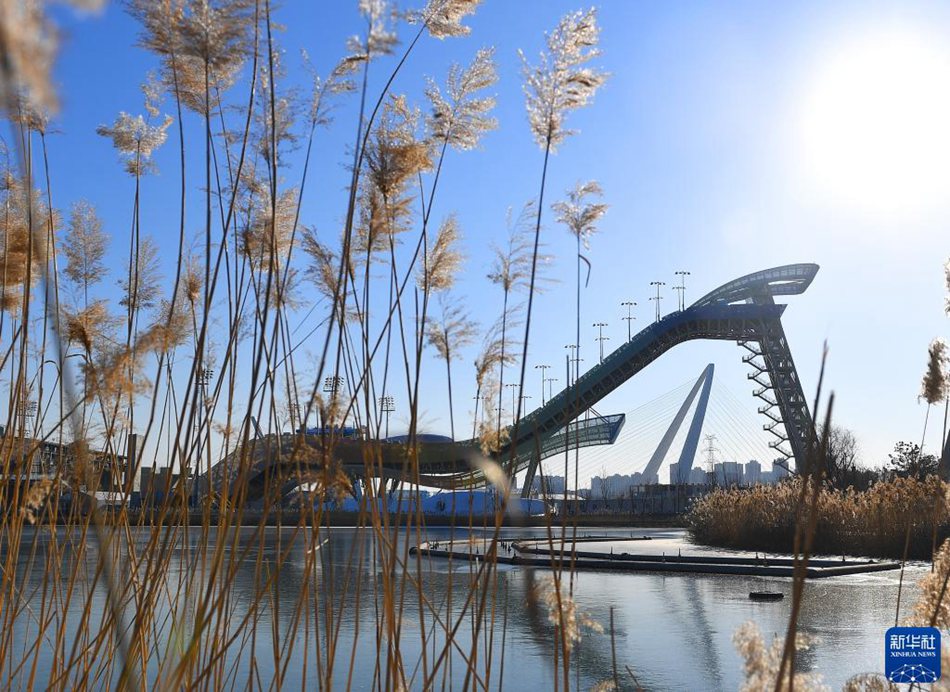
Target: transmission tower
<point>711,450</point>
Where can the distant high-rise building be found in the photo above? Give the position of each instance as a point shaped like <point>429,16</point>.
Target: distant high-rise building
<point>698,476</point>
<point>674,473</point>
<point>617,485</point>
<point>779,472</point>
<point>728,473</point>
<point>678,475</point>
<point>753,472</point>
<point>600,487</point>
<point>552,485</point>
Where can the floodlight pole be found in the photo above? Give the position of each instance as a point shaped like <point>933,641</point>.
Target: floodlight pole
<point>514,397</point>
<point>657,298</point>
<point>542,368</point>
<point>629,304</point>
<point>331,385</point>
<point>601,338</point>
<point>387,404</point>
<point>572,348</point>
<point>681,289</point>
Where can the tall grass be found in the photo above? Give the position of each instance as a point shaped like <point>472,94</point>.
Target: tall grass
<point>870,522</point>
<point>184,365</point>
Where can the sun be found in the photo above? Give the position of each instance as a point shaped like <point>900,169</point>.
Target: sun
<point>875,128</point>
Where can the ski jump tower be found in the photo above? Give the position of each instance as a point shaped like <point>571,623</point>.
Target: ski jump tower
<point>743,311</point>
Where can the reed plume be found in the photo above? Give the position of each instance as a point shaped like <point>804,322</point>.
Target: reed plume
<point>380,38</point>
<point>89,326</point>
<point>461,117</point>
<point>933,388</point>
<point>277,113</point>
<point>380,222</point>
<point>23,212</point>
<point>84,248</point>
<point>267,240</point>
<point>15,246</point>
<point>322,269</point>
<point>869,682</point>
<point>605,686</point>
<point>579,215</point>
<point>453,331</point>
<point>511,264</point>
<point>561,81</point>
<point>486,386</point>
<point>114,376</point>
<point>192,282</point>
<point>170,329</point>
<point>29,41</point>
<point>35,498</point>
<point>143,289</point>
<point>512,270</point>
<point>395,155</point>
<point>496,352</point>
<point>562,611</point>
<point>136,140</point>
<point>443,259</point>
<point>443,18</point>
<point>202,44</point>
<point>322,90</point>
<point>762,663</point>
<point>491,436</point>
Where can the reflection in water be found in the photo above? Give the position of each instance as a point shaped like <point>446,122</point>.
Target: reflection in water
<point>673,630</point>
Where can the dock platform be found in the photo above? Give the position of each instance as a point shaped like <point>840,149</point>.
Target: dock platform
<point>538,553</point>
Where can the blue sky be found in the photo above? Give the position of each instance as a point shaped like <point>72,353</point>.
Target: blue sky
<point>716,140</point>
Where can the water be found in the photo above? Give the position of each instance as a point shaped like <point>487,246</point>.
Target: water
<point>674,631</point>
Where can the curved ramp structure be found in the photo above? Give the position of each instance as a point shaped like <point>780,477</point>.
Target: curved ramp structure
<point>276,464</point>
<point>743,310</point>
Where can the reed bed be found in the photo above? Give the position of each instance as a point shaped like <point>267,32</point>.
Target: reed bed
<point>872,522</point>
<point>264,325</point>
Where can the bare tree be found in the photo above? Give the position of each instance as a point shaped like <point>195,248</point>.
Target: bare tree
<point>606,486</point>
<point>840,456</point>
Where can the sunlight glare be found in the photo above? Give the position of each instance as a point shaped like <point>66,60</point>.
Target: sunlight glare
<point>876,125</point>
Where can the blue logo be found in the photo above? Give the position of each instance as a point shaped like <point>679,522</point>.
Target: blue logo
<point>912,654</point>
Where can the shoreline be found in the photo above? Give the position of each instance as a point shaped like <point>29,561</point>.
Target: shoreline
<point>283,517</point>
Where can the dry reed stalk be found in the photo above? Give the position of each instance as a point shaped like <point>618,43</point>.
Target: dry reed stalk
<point>561,82</point>
<point>201,46</point>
